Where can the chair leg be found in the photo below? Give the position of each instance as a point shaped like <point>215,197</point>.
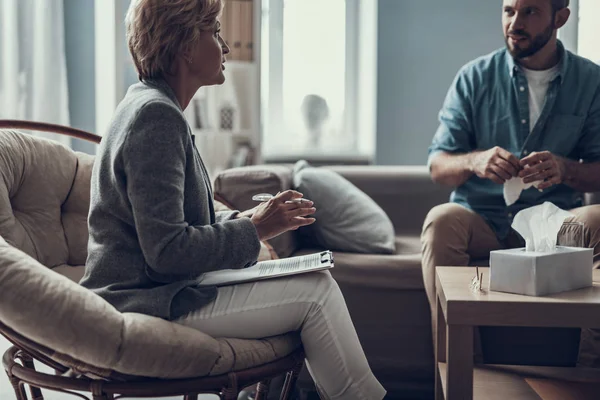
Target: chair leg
<point>18,388</point>
<point>97,389</point>
<point>36,393</point>
<point>102,396</point>
<point>262,390</point>
<point>290,382</point>
<point>229,394</point>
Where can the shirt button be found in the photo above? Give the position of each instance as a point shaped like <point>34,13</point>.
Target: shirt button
<point>523,121</point>
<point>525,152</point>
<point>510,215</point>
<point>522,88</point>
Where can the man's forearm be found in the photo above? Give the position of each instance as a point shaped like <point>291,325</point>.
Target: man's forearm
<point>452,169</point>
<point>583,177</point>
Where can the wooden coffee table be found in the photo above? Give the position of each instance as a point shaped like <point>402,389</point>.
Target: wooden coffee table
<point>460,309</point>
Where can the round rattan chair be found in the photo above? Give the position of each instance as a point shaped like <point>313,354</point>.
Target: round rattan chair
<point>18,360</point>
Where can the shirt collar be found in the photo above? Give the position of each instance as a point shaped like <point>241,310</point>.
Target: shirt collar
<point>563,63</point>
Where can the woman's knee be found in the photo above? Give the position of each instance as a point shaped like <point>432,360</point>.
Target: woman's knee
<point>323,287</point>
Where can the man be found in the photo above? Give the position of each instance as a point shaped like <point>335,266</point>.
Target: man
<point>531,111</point>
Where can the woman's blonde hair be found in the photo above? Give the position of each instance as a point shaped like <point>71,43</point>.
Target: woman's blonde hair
<point>160,30</point>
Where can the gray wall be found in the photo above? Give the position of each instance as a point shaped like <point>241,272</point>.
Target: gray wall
<point>79,48</point>
<point>421,46</point>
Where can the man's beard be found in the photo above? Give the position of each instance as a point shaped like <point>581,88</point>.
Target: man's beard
<point>537,43</point>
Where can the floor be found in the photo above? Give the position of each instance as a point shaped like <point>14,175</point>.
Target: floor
<point>7,393</point>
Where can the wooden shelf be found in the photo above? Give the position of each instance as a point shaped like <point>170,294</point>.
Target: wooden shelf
<point>504,382</point>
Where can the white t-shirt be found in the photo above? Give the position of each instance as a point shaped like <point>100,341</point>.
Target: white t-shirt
<point>538,82</point>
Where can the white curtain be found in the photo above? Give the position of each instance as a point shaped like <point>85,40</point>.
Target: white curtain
<point>33,73</point>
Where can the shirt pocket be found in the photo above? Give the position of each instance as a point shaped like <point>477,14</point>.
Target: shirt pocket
<point>562,134</point>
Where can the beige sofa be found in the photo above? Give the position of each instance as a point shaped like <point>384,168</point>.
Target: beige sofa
<point>384,293</point>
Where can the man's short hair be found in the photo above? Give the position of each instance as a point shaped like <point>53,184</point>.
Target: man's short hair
<point>560,4</point>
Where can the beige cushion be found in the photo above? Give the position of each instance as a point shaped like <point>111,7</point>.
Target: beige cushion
<point>235,187</point>
<point>37,176</point>
<point>87,333</point>
<point>75,211</point>
<point>73,272</point>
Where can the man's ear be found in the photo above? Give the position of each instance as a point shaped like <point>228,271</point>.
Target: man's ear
<point>561,17</point>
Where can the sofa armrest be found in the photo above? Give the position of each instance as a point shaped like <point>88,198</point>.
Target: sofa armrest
<point>405,193</point>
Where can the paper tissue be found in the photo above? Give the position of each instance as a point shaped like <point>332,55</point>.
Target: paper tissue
<point>513,188</point>
<point>541,268</point>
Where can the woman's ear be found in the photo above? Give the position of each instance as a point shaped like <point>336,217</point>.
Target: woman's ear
<point>561,17</point>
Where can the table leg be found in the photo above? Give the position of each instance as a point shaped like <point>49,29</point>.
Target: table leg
<point>459,358</point>
<point>440,348</point>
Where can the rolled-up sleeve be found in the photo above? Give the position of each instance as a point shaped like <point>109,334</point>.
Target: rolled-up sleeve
<point>455,132</point>
<point>154,159</point>
<point>589,145</point>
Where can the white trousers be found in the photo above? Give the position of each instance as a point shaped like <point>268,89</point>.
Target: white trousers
<point>311,303</point>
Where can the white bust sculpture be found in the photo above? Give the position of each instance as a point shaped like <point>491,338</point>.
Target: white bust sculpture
<point>315,113</point>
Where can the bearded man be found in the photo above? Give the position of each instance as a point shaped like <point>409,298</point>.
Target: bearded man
<point>528,111</point>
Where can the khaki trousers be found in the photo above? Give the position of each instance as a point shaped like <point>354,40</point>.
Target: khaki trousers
<point>455,236</point>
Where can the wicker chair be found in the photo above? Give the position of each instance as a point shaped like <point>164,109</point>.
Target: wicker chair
<point>71,372</point>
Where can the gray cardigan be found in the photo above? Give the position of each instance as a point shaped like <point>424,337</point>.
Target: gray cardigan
<point>153,230</point>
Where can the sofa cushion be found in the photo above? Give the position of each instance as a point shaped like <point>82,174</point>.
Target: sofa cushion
<point>235,187</point>
<point>89,335</point>
<point>346,218</point>
<point>408,244</point>
<point>376,271</point>
<point>36,178</point>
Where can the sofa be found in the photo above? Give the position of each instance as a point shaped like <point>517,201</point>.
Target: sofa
<point>384,293</point>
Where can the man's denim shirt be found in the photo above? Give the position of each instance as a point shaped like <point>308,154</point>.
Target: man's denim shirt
<point>488,105</point>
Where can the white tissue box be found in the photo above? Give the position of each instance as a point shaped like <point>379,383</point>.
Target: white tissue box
<point>540,273</point>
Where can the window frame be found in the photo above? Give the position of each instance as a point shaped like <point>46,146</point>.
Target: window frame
<point>272,110</point>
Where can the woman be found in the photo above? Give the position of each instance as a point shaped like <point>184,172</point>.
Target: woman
<point>153,229</point>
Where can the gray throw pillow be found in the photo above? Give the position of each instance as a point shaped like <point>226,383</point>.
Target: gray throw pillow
<point>346,218</point>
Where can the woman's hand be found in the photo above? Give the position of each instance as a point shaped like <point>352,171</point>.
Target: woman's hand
<point>247,214</point>
<point>280,215</point>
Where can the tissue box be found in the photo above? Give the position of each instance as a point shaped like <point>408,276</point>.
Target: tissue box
<point>540,273</point>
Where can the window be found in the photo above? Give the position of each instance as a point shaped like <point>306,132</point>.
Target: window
<point>310,82</point>
<point>589,29</point>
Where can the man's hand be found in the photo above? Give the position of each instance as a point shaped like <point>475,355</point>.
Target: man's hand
<point>496,164</point>
<point>280,214</point>
<point>543,166</point>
